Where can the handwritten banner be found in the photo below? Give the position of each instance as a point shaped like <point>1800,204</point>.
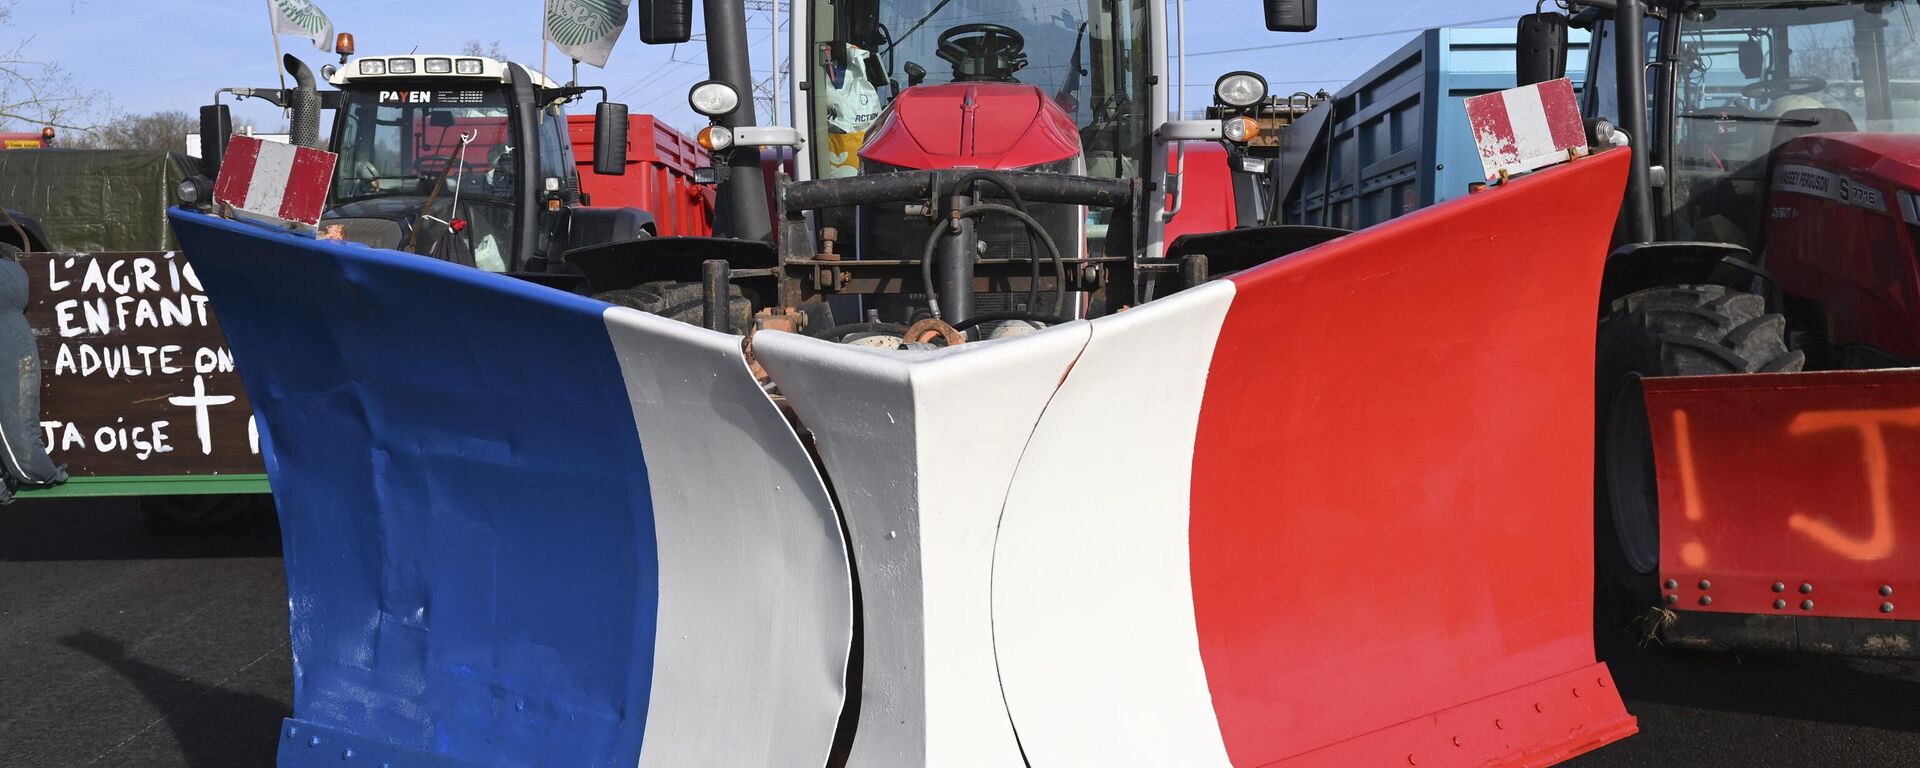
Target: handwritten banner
<point>136,378</point>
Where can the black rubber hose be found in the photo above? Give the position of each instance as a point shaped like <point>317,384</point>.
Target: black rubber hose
<point>926,268</point>
<point>933,241</point>
<point>1033,259</point>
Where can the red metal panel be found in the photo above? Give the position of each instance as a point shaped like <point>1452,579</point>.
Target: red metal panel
<point>1206,182</point>
<point>998,126</point>
<point>659,177</point>
<point>1393,479</point>
<point>1805,480</point>
<point>1836,234</point>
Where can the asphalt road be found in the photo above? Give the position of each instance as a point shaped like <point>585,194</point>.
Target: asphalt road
<point>121,646</point>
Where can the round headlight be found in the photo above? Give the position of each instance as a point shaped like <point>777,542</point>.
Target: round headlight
<point>1239,130</point>
<point>713,98</point>
<point>195,191</point>
<point>1240,89</point>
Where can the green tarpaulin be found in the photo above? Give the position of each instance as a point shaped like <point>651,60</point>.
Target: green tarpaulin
<point>96,200</point>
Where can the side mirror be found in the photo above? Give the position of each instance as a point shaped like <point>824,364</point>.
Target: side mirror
<point>863,25</point>
<point>1753,63</point>
<point>1540,48</point>
<point>1293,15</point>
<point>216,127</point>
<point>610,139</point>
<point>665,21</point>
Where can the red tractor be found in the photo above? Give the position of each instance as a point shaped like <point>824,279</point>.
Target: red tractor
<point>1754,442</point>
<point>952,178</point>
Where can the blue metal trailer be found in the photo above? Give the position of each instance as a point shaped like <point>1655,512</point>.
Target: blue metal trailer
<point>1399,139</point>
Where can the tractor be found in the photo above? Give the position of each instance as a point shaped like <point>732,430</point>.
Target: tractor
<point>953,177</point>
<point>1753,440</point>
<point>464,158</point>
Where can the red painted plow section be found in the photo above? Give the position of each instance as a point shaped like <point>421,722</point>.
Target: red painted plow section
<point>1804,480</point>
<point>1391,528</point>
<point>1377,549</point>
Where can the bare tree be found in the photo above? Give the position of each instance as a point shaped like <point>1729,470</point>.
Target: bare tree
<point>161,130</point>
<point>490,50</point>
<point>36,92</point>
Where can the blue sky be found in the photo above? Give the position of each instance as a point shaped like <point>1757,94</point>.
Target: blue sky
<point>150,55</point>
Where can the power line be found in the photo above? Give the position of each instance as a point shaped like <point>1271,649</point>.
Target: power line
<point>1297,43</point>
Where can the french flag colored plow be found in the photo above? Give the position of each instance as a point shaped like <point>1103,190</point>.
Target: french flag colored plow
<point>508,541</point>
<point>1330,511</point>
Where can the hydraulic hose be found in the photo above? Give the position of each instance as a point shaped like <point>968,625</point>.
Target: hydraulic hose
<point>1033,259</point>
<point>973,211</point>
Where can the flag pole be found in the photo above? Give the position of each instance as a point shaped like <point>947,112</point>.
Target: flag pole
<point>545,8</point>
<point>273,30</point>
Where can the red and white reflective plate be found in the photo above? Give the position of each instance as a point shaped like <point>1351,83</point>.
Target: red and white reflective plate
<point>1527,128</point>
<point>274,183</point>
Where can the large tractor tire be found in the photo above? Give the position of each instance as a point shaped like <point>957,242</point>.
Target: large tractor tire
<point>681,301</point>
<point>1670,331</point>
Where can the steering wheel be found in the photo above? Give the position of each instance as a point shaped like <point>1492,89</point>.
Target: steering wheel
<point>1773,88</point>
<point>983,52</point>
<point>429,166</point>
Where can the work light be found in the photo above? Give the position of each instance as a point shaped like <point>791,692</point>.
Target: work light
<point>1240,89</point>
<point>713,98</point>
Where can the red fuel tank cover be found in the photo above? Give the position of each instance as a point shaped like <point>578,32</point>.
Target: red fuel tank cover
<point>997,126</point>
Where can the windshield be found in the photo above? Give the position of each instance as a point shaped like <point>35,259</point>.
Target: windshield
<point>396,143</point>
<point>1090,56</point>
<point>1753,75</point>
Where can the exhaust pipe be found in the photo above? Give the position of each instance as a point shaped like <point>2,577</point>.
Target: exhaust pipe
<point>304,101</point>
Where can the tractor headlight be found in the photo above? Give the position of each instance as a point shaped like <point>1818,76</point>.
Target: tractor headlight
<point>713,98</point>
<point>195,191</point>
<point>373,66</point>
<point>399,66</point>
<point>439,66</point>
<point>467,67</point>
<point>1240,89</point>
<point>1239,130</point>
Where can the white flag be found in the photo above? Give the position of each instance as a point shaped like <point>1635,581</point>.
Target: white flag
<point>586,29</point>
<point>302,18</point>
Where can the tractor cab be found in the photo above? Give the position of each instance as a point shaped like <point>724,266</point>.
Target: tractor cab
<point>1078,72</point>
<point>1792,130</point>
<point>461,158</point>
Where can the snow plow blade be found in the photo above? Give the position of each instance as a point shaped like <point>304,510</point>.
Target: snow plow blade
<point>1786,509</point>
<point>503,544</point>
<point>1333,510</point>
<point>1354,531</point>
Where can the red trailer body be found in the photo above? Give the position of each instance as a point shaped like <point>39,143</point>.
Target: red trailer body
<point>659,178</point>
<point>27,140</point>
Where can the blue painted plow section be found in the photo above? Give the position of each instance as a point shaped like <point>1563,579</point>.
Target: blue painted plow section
<point>621,556</point>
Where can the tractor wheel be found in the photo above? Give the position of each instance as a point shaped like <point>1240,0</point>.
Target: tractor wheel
<point>681,301</point>
<point>1670,331</point>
